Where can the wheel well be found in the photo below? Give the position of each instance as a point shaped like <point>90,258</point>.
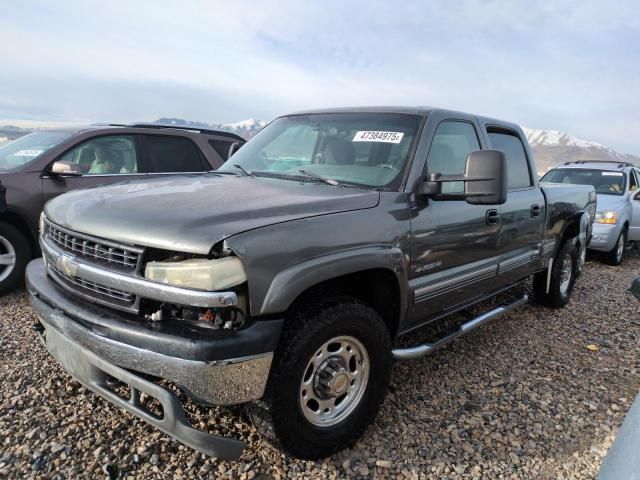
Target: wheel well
<point>571,231</point>
<point>377,288</point>
<point>18,222</point>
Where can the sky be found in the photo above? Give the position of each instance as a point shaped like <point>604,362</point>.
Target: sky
<point>570,65</point>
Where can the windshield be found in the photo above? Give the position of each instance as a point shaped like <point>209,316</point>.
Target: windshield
<point>368,149</point>
<point>604,181</point>
<point>18,153</point>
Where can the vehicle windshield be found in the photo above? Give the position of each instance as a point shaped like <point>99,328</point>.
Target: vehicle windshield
<point>605,182</point>
<point>23,150</point>
<point>367,149</point>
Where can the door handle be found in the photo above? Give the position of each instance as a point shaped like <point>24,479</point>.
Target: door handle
<point>535,210</point>
<point>492,217</point>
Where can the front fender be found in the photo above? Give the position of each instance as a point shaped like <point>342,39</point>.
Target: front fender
<point>289,284</point>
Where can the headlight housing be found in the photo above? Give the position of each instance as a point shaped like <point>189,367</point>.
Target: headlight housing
<point>200,273</point>
<point>606,216</point>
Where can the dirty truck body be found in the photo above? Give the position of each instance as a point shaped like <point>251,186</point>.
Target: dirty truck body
<point>289,275</point>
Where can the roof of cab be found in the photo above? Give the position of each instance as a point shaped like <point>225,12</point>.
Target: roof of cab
<point>407,110</point>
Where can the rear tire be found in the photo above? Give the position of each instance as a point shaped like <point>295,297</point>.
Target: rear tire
<point>615,256</point>
<point>14,255</point>
<point>329,377</point>
<point>563,277</point>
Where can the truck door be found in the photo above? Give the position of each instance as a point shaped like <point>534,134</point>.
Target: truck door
<point>523,213</point>
<point>634,187</point>
<point>454,245</point>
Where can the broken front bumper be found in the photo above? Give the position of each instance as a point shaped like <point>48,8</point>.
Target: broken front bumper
<point>94,344</point>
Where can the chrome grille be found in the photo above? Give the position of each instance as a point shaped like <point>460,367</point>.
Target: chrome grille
<point>96,250</point>
<point>95,290</point>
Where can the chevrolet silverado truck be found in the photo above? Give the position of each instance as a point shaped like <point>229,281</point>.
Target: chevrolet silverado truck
<point>288,279</point>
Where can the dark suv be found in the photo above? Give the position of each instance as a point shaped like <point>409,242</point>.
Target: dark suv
<point>44,164</point>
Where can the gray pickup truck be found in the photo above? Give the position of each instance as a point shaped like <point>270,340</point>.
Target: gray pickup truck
<point>287,279</point>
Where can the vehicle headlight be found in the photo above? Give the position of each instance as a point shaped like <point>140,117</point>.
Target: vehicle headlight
<point>200,273</point>
<point>41,224</point>
<point>606,216</point>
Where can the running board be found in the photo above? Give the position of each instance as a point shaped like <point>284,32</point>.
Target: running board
<point>418,351</point>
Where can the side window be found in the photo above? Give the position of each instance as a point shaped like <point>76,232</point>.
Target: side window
<point>172,154</point>
<point>221,147</point>
<point>517,165</point>
<point>108,155</point>
<point>451,145</point>
<point>633,181</point>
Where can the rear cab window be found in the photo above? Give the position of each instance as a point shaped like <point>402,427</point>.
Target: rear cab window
<point>509,142</point>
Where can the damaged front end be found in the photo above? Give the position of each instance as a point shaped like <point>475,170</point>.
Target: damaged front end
<point>112,311</point>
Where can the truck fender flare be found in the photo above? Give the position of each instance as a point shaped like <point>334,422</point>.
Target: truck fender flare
<point>289,284</point>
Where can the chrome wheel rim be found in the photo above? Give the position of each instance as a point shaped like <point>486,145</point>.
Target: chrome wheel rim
<point>7,258</point>
<point>620,247</point>
<point>334,381</point>
<point>566,273</point>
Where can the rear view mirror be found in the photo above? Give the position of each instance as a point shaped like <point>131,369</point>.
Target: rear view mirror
<point>64,168</point>
<point>485,180</point>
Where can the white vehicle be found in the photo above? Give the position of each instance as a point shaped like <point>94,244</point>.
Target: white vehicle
<point>617,186</point>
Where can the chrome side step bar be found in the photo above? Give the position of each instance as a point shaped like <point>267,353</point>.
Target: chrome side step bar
<point>418,351</point>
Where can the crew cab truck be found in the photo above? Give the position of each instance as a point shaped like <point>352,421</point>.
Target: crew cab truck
<point>287,277</point>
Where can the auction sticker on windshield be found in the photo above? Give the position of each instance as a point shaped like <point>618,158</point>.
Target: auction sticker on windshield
<point>612,174</point>
<point>28,153</point>
<point>377,136</point>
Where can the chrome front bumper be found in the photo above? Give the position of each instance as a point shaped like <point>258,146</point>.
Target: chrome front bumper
<point>78,336</point>
<point>95,373</point>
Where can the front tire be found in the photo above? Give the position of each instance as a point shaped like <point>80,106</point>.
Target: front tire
<point>615,256</point>
<point>329,376</point>
<point>14,255</point>
<point>563,276</point>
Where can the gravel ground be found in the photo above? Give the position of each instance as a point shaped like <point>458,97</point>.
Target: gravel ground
<point>522,397</point>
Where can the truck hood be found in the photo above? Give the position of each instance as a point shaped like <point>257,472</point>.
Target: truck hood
<point>191,213</point>
<point>611,202</point>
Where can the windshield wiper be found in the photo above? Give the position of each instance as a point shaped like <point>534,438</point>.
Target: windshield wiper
<point>244,171</point>
<point>328,181</point>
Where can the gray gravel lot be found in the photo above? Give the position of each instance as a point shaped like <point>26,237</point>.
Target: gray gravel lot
<point>523,397</point>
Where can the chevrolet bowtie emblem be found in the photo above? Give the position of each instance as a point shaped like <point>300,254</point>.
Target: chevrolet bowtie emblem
<point>66,265</point>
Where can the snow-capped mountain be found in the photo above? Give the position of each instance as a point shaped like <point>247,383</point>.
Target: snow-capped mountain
<point>551,147</point>
<point>245,128</point>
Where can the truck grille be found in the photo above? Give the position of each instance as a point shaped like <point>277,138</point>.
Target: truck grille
<point>95,250</point>
<point>105,254</point>
<point>94,290</point>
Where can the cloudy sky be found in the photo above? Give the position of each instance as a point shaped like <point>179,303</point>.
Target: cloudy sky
<point>566,65</point>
